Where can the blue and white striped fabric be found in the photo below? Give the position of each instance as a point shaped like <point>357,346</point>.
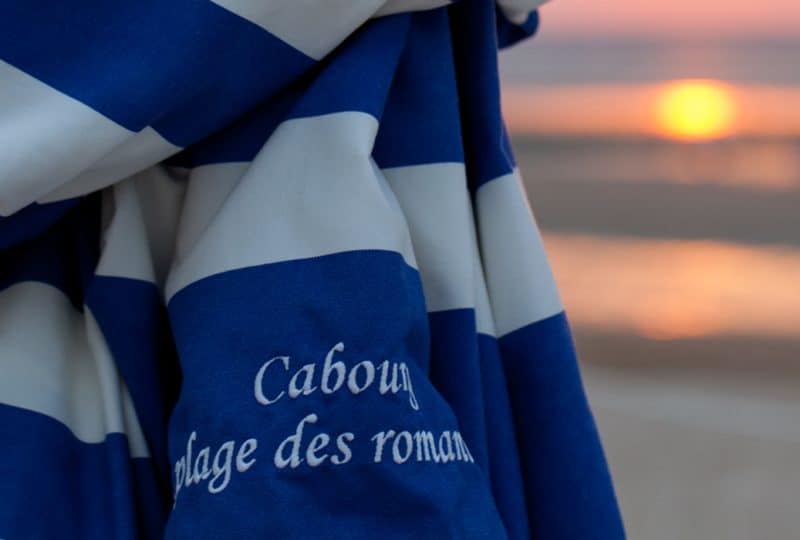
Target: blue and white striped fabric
<point>267,271</point>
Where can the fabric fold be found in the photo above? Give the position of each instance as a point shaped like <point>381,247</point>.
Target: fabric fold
<point>267,270</point>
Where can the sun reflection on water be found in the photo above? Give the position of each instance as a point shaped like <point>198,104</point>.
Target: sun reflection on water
<point>673,289</point>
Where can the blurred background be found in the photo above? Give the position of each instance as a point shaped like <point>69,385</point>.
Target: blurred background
<point>660,146</point>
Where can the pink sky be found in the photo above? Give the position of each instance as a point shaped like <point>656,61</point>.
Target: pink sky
<point>711,19</point>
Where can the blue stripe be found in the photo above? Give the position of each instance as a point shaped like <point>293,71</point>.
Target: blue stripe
<point>504,458</point>
<point>128,60</point>
<point>372,302</point>
<point>31,221</point>
<point>454,349</point>
<point>140,341</point>
<point>53,485</point>
<point>567,482</point>
<point>475,44</point>
<point>138,336</point>
<point>243,139</point>
<point>356,78</point>
<point>479,397</point>
<point>63,256</point>
<point>420,123</point>
<point>509,33</point>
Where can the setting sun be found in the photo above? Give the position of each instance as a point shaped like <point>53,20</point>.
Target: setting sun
<point>696,110</point>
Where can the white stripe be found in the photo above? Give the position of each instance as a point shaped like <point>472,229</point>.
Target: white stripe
<point>484,319</point>
<point>46,138</point>
<point>521,284</point>
<point>312,190</point>
<point>313,27</point>
<point>399,6</point>
<point>125,247</point>
<point>161,194</point>
<point>55,362</point>
<point>140,218</point>
<point>207,189</point>
<point>53,146</point>
<point>138,152</point>
<point>518,11</point>
<point>436,205</point>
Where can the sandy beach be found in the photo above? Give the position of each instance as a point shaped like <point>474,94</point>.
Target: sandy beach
<point>700,457</point>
